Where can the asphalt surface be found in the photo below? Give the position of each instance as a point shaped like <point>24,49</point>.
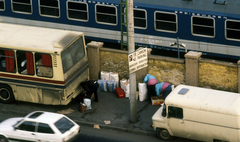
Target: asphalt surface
<point>110,112</point>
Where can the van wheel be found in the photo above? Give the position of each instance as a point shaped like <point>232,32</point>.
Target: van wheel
<point>163,134</point>
<point>3,139</point>
<point>6,94</point>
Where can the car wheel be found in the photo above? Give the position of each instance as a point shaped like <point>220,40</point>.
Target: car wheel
<point>6,94</point>
<point>163,134</point>
<point>3,139</point>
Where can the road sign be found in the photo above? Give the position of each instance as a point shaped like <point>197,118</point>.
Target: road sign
<point>137,60</point>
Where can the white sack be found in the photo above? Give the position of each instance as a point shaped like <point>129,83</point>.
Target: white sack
<point>127,89</point>
<point>105,75</point>
<point>111,85</point>
<point>102,85</point>
<point>142,87</point>
<point>113,76</point>
<point>122,83</point>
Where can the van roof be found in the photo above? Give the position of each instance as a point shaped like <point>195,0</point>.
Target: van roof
<point>22,37</point>
<point>205,99</point>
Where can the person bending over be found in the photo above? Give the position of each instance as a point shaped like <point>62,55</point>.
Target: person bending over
<point>90,87</point>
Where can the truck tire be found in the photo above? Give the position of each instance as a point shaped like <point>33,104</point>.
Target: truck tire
<point>6,94</point>
<point>3,139</point>
<point>163,134</point>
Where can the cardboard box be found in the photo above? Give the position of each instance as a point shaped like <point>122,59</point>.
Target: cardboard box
<point>156,100</point>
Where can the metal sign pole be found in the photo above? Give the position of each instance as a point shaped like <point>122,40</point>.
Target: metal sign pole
<point>132,76</point>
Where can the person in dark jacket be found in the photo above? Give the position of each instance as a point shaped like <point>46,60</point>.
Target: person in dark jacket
<point>90,87</point>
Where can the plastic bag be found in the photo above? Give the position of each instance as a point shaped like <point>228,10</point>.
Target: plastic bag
<point>88,103</point>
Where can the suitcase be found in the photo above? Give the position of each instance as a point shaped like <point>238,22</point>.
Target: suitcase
<point>119,92</point>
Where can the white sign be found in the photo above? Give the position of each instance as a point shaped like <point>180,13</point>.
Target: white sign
<point>138,60</point>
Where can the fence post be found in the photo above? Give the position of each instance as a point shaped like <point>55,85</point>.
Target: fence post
<point>192,68</point>
<point>238,76</point>
<point>94,59</point>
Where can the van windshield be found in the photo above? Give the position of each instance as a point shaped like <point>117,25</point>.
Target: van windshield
<point>73,54</point>
<point>164,111</point>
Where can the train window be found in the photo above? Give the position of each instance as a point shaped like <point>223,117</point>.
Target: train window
<point>140,18</point>
<point>166,21</point>
<point>77,10</point>
<point>203,26</point>
<point>106,14</point>
<point>233,29</point>
<point>49,8</point>
<point>22,6</point>
<point>2,6</point>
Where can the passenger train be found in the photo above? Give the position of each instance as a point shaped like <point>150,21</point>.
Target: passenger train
<point>209,26</point>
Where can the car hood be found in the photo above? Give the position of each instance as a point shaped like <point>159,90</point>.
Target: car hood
<point>10,122</point>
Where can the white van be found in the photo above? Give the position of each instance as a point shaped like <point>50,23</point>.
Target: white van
<point>199,114</point>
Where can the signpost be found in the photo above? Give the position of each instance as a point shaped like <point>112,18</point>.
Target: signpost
<point>137,60</point>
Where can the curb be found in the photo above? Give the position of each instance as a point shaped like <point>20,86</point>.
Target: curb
<point>91,124</point>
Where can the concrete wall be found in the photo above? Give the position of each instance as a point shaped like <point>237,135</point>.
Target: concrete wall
<point>218,75</point>
<point>193,70</point>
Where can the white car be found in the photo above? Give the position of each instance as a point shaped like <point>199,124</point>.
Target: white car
<point>39,126</point>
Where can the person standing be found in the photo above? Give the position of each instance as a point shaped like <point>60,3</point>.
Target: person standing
<point>90,87</point>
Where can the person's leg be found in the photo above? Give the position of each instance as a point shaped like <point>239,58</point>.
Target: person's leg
<point>96,85</point>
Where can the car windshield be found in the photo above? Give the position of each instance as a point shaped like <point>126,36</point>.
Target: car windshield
<point>17,122</point>
<point>63,125</point>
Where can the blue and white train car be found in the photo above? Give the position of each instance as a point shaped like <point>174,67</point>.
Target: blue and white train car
<point>208,26</point>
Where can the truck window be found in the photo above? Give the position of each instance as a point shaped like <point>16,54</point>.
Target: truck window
<point>175,112</point>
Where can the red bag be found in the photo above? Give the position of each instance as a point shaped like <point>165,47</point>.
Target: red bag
<point>119,92</point>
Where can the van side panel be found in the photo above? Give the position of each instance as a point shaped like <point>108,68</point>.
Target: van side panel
<point>206,126</point>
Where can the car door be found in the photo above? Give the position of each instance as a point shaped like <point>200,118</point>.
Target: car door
<point>176,121</point>
<point>45,133</point>
<point>24,132</point>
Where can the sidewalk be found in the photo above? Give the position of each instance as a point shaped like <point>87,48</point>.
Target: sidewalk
<point>110,108</point>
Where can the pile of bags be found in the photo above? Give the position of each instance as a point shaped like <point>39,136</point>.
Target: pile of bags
<point>108,82</point>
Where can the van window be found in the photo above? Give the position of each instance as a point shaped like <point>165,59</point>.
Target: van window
<point>175,112</point>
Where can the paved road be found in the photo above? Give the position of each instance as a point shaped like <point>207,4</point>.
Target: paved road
<point>103,135</point>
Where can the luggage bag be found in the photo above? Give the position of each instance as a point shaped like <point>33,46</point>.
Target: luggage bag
<point>119,92</point>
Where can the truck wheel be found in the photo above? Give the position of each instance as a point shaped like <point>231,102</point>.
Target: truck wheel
<point>3,139</point>
<point>163,134</point>
<point>6,94</point>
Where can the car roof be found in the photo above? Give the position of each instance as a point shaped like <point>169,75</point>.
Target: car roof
<point>43,116</point>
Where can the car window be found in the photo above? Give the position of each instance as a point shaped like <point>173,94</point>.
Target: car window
<point>63,125</point>
<point>44,128</point>
<point>27,126</point>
